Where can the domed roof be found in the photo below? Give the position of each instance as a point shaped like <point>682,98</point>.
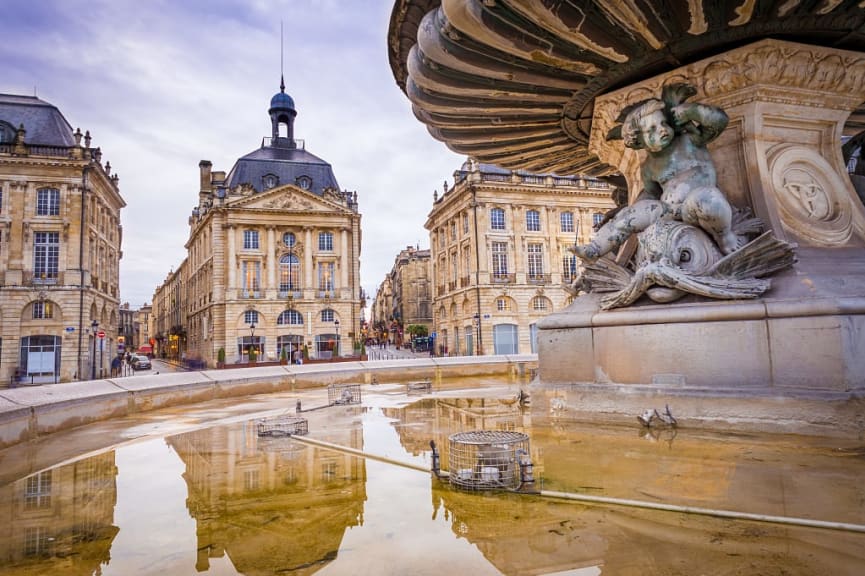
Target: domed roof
<point>281,100</point>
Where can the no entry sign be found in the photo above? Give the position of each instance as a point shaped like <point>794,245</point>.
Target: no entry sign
<point>100,334</point>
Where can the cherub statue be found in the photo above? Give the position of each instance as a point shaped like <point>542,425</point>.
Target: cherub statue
<point>679,180</point>
<point>690,239</point>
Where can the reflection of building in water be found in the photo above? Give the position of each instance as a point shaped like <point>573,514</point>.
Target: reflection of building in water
<point>273,505</point>
<point>61,521</point>
<point>553,538</point>
<point>437,418</point>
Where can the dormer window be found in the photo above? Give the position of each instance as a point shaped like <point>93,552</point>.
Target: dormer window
<point>270,181</point>
<point>304,182</point>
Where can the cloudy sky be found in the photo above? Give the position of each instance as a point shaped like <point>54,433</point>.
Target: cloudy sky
<point>163,84</point>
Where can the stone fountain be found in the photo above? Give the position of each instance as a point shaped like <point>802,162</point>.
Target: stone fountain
<point>746,307</point>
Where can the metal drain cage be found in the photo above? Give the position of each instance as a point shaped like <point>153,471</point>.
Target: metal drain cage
<point>343,394</point>
<point>487,459</point>
<point>422,387</point>
<point>283,426</point>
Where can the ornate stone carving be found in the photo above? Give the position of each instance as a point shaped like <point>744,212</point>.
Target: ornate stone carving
<point>811,197</point>
<point>288,202</point>
<point>690,239</point>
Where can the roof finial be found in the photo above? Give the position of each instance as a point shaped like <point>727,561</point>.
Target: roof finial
<point>281,60</point>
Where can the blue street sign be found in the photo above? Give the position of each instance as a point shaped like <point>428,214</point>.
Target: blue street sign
<point>70,328</point>
<point>433,335</point>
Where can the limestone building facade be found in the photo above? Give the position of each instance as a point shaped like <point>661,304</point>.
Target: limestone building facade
<point>405,296</point>
<point>272,259</point>
<point>60,248</point>
<point>499,247</point>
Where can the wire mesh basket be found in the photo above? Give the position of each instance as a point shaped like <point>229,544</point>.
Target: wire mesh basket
<point>343,394</point>
<point>283,426</point>
<point>422,387</point>
<point>487,459</point>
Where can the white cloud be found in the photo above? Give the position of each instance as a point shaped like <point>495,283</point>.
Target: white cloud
<point>162,85</point>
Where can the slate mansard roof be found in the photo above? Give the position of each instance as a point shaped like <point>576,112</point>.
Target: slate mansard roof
<point>289,165</point>
<point>43,122</point>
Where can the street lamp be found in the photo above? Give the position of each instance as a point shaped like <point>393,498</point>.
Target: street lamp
<point>93,326</point>
<point>336,325</point>
<point>478,331</point>
<point>251,340</point>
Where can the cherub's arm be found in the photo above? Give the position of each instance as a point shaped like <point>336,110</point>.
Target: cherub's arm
<point>702,121</point>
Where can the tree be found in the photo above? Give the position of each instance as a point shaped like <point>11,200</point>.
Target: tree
<point>416,330</point>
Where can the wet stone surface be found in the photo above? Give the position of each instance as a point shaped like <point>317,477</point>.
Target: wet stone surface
<point>197,491</point>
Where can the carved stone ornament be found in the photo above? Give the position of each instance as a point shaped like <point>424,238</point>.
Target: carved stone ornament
<point>289,202</point>
<point>689,238</point>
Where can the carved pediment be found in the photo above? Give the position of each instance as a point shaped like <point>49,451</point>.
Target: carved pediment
<point>289,198</point>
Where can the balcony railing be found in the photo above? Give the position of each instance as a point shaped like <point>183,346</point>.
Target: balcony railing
<point>538,278</point>
<point>502,278</point>
<point>440,289</point>
<point>43,279</point>
<point>465,281</point>
<point>452,285</point>
<point>327,294</point>
<point>252,294</point>
<point>293,294</point>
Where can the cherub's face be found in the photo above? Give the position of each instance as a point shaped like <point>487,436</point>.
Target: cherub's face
<point>655,131</point>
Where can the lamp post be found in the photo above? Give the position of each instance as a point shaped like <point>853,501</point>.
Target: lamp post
<point>478,332</point>
<point>93,327</point>
<point>251,340</point>
<point>336,325</point>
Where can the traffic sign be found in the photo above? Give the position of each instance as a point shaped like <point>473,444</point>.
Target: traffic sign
<point>70,328</point>
<point>100,334</point>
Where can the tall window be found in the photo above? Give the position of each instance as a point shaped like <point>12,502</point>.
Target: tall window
<point>497,219</point>
<point>46,254</point>
<point>289,273</point>
<point>250,239</point>
<point>567,221</point>
<point>467,261</point>
<point>465,223</point>
<point>535,260</point>
<point>569,267</point>
<point>48,202</point>
<point>453,227</point>
<point>500,259</point>
<point>325,241</point>
<point>597,218</point>
<point>325,276</point>
<point>37,494</point>
<point>43,310</point>
<point>289,239</point>
<point>251,277</point>
<point>533,221</point>
<point>250,317</point>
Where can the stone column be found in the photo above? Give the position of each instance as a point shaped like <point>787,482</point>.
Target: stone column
<point>308,286</point>
<point>232,261</point>
<point>270,289</point>
<point>345,262</point>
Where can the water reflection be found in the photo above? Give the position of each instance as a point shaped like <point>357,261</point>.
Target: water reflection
<point>62,519</point>
<point>272,504</point>
<point>229,502</point>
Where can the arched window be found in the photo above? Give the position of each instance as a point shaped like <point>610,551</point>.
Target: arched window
<point>289,273</point>
<point>327,315</point>
<point>291,317</point>
<point>539,303</point>
<point>503,304</point>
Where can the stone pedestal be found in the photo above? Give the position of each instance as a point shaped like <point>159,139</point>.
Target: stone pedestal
<point>781,157</point>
